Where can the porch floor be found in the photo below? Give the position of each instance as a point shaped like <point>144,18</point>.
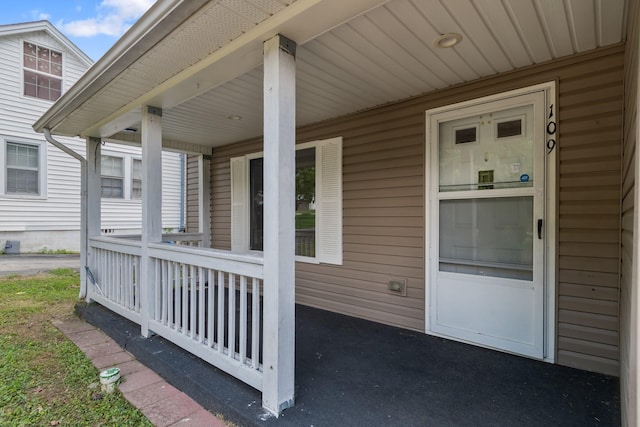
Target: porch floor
<point>353,372</point>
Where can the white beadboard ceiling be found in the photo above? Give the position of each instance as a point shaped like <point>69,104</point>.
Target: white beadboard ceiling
<point>381,56</point>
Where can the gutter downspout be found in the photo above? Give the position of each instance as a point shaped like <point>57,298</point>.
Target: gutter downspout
<point>83,197</point>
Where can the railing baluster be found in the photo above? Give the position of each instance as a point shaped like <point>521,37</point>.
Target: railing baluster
<point>163,290</point>
<point>117,282</point>
<point>109,275</point>
<point>255,323</point>
<point>175,291</point>
<point>132,277</point>
<point>201,311</point>
<point>184,279</point>
<point>127,278</point>
<point>158,288</point>
<point>221,287</point>
<point>169,293</point>
<point>232,315</point>
<point>178,293</point>
<point>243,319</point>
<point>210,305</point>
<point>132,295</point>
<point>193,302</point>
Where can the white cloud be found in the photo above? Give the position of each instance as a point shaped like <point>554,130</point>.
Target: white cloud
<point>114,17</point>
<point>39,15</point>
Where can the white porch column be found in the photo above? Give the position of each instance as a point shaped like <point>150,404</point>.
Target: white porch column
<point>279,224</point>
<point>90,207</point>
<point>204,199</point>
<point>151,206</point>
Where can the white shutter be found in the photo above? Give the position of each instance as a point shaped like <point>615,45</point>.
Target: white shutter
<point>239,208</point>
<point>329,201</point>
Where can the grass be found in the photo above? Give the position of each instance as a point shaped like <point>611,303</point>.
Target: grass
<point>45,380</point>
<point>305,219</point>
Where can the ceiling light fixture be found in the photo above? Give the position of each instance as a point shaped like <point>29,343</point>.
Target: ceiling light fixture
<point>447,40</point>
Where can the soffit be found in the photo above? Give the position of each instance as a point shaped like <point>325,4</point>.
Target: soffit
<point>381,56</point>
<point>387,54</point>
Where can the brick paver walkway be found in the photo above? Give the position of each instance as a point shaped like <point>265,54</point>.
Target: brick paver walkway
<point>163,404</point>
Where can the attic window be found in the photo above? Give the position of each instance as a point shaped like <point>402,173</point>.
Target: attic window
<point>42,72</point>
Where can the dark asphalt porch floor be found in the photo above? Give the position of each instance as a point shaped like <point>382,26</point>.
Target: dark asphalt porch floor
<point>352,372</point>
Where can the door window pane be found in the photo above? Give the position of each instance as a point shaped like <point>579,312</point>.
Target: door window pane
<point>488,237</point>
<point>498,144</point>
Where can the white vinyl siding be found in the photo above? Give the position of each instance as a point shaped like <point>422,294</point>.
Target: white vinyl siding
<point>57,206</point>
<point>328,201</point>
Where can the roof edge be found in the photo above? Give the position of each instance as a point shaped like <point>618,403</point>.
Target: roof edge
<point>44,25</point>
<point>152,27</point>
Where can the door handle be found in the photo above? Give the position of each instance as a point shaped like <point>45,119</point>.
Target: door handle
<point>539,229</point>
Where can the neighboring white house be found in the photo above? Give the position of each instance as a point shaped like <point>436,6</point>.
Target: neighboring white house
<point>39,184</point>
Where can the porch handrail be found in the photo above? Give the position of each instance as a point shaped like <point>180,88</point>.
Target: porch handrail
<point>165,236</point>
<point>126,246</point>
<point>242,264</point>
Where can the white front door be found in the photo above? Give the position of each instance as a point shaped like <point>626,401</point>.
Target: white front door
<point>487,224</point>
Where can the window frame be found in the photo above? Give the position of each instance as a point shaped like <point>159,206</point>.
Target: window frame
<point>24,69</point>
<point>240,226</point>
<point>135,159</point>
<point>123,178</point>
<point>42,167</point>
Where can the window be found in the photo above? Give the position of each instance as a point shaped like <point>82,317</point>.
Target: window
<point>136,179</point>
<point>318,219</point>
<point>24,168</point>
<point>42,72</point>
<point>509,128</point>
<point>23,164</point>
<point>112,177</point>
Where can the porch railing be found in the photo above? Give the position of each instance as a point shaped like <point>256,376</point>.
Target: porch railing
<point>206,301</point>
<point>181,239</point>
<point>115,274</point>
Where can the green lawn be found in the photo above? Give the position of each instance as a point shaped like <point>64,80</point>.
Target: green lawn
<point>305,219</point>
<point>45,380</point>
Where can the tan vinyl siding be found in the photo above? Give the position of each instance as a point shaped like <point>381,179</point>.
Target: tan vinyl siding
<point>628,284</point>
<point>384,205</point>
<point>193,179</point>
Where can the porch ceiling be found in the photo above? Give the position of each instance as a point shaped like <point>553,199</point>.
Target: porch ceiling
<point>349,58</point>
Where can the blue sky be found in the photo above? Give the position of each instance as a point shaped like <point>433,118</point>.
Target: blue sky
<point>93,25</point>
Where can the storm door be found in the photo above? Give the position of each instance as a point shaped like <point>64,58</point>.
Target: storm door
<point>487,224</point>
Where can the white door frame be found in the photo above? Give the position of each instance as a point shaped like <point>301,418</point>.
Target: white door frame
<point>550,202</point>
